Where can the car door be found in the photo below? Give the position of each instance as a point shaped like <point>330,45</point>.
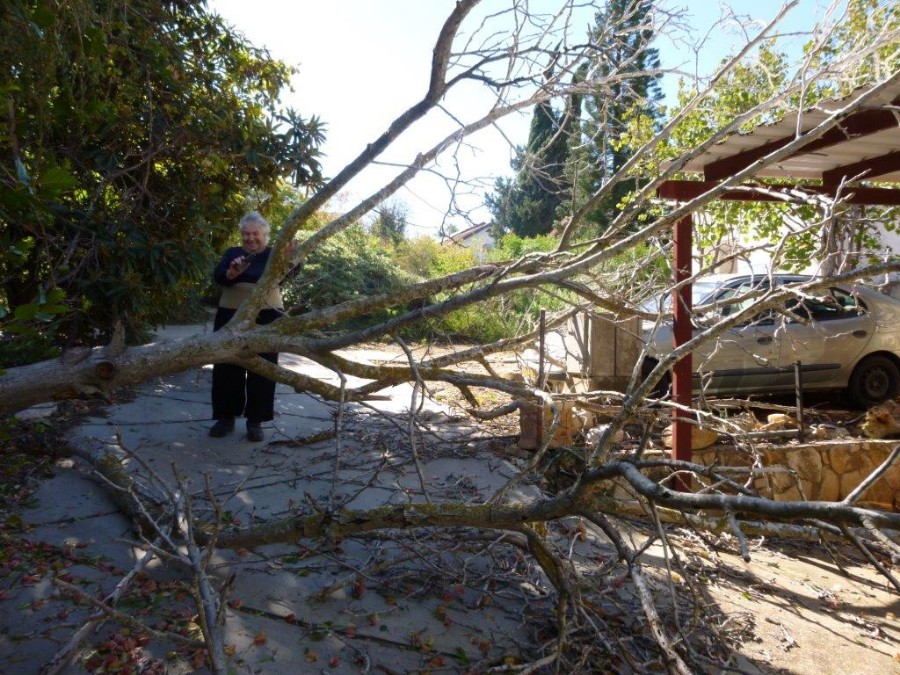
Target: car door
<point>743,358</point>
<point>823,333</point>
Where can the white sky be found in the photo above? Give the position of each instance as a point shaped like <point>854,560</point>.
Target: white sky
<point>363,62</point>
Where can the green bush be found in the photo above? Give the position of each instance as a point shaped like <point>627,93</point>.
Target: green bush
<point>512,246</point>
<point>348,266</point>
<point>486,321</point>
<point>39,345</point>
<point>355,264</point>
<point>481,323</point>
<point>417,257</point>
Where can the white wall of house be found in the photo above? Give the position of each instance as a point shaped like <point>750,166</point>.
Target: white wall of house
<point>480,243</point>
<point>478,239</point>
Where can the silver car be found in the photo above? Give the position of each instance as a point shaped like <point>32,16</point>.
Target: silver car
<point>843,336</point>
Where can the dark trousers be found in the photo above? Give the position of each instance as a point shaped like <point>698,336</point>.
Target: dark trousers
<point>237,391</point>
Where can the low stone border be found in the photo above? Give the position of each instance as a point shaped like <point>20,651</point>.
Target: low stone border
<point>817,471</point>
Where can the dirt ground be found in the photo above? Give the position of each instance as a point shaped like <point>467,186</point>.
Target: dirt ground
<point>796,607</point>
<point>809,612</point>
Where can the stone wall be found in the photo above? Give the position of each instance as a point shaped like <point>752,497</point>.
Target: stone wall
<point>817,471</point>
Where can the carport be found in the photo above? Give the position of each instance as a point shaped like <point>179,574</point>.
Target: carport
<point>843,144</point>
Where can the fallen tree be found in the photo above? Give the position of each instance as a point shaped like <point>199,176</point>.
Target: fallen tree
<point>581,270</point>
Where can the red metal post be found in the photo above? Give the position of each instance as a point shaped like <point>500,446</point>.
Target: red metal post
<point>682,332</point>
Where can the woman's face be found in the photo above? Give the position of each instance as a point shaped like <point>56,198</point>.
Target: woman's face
<point>253,239</point>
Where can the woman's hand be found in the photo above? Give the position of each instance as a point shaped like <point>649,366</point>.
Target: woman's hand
<point>237,266</point>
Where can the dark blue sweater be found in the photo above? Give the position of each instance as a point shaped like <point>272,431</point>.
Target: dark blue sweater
<point>250,275</point>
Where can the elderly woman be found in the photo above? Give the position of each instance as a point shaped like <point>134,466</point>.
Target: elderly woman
<point>235,390</point>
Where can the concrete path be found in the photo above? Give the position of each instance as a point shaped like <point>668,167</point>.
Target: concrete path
<point>398,604</point>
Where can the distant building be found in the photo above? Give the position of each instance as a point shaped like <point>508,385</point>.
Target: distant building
<point>476,238</point>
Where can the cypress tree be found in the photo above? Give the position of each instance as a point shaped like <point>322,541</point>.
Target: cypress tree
<point>622,35</point>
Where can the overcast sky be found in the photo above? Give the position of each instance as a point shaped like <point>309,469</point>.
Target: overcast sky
<point>363,62</point>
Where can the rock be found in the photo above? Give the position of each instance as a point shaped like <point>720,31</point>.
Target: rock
<point>745,421</point>
<point>40,411</point>
<point>882,421</point>
<point>779,422</point>
<point>593,436</point>
<point>827,432</point>
<point>701,437</point>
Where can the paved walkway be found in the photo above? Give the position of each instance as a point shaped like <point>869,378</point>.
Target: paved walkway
<point>398,604</point>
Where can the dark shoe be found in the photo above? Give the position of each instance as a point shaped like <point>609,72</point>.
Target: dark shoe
<point>222,427</point>
<point>254,432</point>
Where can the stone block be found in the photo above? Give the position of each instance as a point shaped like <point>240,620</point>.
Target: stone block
<point>782,480</point>
<point>845,457</point>
<point>849,481</point>
<point>830,488</point>
<point>535,419</point>
<point>792,494</point>
<point>807,462</point>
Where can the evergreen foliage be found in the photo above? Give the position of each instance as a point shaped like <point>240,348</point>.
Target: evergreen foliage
<point>131,129</point>
<point>390,223</point>
<point>529,204</point>
<point>622,35</point>
<point>571,154</point>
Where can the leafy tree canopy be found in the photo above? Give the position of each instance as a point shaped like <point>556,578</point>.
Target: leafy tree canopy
<point>130,130</point>
<point>391,219</point>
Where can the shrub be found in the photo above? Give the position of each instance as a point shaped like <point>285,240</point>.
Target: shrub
<point>513,246</point>
<point>350,265</point>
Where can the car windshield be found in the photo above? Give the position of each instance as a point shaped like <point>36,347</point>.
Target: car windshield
<point>702,291</point>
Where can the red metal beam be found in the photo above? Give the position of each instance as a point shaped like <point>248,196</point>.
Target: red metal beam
<point>856,125</point>
<point>873,167</point>
<point>682,332</point>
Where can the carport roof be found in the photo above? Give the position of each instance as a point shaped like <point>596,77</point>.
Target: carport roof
<point>864,145</point>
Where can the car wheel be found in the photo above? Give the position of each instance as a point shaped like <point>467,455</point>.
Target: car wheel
<point>874,380</point>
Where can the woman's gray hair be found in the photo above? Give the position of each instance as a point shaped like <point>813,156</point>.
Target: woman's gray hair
<point>255,218</point>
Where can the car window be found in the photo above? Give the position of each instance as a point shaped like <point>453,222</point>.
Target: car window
<point>702,292</point>
<point>825,305</point>
<point>732,300</point>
